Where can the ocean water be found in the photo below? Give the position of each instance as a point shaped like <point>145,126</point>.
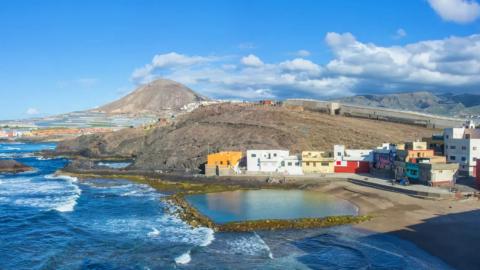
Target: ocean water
<point>59,222</point>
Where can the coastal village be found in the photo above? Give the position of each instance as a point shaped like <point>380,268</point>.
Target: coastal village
<point>436,161</point>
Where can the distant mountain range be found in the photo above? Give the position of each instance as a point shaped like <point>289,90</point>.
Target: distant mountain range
<point>449,104</point>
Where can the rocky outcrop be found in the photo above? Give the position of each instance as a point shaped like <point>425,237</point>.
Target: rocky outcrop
<point>13,166</point>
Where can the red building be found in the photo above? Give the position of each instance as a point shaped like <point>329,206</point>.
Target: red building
<point>352,166</point>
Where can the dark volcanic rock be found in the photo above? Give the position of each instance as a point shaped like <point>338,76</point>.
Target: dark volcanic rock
<point>13,166</point>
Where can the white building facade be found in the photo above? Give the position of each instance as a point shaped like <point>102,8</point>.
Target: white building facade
<point>342,154</point>
<point>273,161</point>
<point>291,165</point>
<point>462,145</point>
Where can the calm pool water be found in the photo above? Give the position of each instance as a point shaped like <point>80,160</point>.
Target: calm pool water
<point>242,205</point>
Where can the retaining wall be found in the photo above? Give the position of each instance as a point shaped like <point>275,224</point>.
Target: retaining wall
<point>390,115</point>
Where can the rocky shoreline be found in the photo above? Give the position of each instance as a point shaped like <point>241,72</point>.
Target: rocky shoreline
<point>194,218</point>
<point>12,166</point>
<point>381,211</point>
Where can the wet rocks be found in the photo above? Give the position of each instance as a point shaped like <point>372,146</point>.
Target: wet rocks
<point>13,166</point>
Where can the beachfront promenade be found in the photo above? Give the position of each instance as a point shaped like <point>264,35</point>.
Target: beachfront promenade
<point>363,180</point>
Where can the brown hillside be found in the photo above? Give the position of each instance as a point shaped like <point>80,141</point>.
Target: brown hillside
<point>185,144</point>
<point>155,97</point>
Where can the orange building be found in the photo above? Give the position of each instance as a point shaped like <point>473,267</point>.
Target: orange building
<point>222,163</point>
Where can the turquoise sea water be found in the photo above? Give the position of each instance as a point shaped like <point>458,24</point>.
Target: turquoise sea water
<point>269,204</point>
<point>59,222</point>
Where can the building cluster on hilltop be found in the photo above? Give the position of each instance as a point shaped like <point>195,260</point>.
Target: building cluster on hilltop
<point>434,161</point>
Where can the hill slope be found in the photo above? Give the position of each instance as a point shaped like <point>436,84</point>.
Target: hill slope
<point>185,144</point>
<point>155,97</point>
<point>442,104</point>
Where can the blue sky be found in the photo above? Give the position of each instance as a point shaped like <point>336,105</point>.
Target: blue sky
<point>61,56</point>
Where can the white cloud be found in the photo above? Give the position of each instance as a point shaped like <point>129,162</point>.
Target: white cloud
<point>32,111</point>
<point>454,61</point>
<point>302,53</point>
<point>459,11</point>
<point>252,61</point>
<point>400,33</point>
<point>447,64</point>
<point>168,60</point>
<point>300,64</point>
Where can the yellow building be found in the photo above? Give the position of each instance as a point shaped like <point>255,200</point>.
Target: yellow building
<point>223,163</point>
<point>317,162</point>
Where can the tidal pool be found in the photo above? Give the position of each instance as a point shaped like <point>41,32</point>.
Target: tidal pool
<point>244,205</point>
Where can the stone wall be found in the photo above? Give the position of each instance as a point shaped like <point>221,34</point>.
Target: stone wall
<point>390,115</point>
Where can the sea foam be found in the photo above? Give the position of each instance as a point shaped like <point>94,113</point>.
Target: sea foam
<point>185,258</point>
<point>50,192</point>
<point>154,232</point>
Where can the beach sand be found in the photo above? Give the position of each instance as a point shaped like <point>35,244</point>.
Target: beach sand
<point>448,229</point>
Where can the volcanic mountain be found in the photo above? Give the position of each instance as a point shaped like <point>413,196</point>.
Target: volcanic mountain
<point>155,97</point>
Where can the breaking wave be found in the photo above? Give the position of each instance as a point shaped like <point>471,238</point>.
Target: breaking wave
<point>50,192</point>
<point>185,258</point>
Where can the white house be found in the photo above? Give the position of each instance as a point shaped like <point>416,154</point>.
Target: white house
<point>462,145</point>
<point>342,154</point>
<point>265,160</point>
<point>291,165</point>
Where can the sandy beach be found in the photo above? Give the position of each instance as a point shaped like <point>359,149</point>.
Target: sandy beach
<point>447,228</point>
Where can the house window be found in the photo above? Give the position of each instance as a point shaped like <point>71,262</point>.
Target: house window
<point>339,153</point>
<point>324,164</point>
<point>297,163</point>
<point>464,158</point>
<point>283,163</point>
<point>289,164</point>
<point>453,147</point>
<point>221,162</point>
<point>254,155</point>
<point>308,163</point>
<point>474,148</point>
<point>452,157</point>
<point>274,154</point>
<point>464,148</point>
<point>446,136</point>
